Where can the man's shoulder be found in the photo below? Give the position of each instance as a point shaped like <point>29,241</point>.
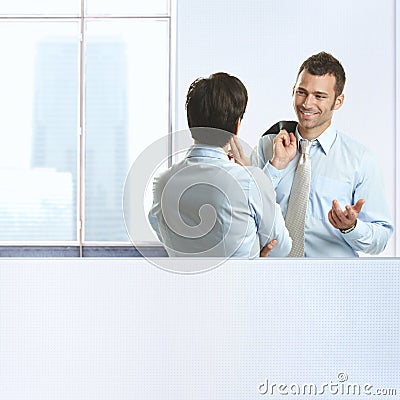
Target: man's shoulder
<point>267,139</point>
<point>255,175</point>
<point>164,175</point>
<point>352,145</point>
<point>345,138</point>
<point>263,151</point>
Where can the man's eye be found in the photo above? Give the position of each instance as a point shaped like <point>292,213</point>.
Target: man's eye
<point>300,93</point>
<point>319,97</point>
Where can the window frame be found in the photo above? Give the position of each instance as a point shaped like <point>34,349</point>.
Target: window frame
<point>81,247</point>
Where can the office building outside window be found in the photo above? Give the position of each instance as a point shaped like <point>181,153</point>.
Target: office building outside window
<point>85,89</point>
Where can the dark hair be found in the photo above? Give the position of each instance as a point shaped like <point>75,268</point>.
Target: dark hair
<point>322,64</point>
<point>218,101</point>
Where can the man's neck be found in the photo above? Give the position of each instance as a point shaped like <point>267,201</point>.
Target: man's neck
<point>311,134</point>
<point>225,148</point>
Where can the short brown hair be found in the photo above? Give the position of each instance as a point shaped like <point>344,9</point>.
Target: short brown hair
<point>322,64</point>
<point>218,101</point>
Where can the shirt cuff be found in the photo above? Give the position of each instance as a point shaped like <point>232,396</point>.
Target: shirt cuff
<point>361,230</point>
<point>274,173</point>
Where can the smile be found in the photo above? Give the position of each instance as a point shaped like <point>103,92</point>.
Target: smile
<point>308,113</point>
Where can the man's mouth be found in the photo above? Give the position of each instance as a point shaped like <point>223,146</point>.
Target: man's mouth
<point>308,113</point>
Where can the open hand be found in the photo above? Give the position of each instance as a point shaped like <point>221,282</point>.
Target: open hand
<point>344,219</point>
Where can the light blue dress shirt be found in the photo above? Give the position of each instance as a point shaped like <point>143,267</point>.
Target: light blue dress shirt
<point>341,169</point>
<point>208,206</point>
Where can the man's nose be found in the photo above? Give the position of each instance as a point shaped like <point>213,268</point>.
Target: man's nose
<point>308,101</point>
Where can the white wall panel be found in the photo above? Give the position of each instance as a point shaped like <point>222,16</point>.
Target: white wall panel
<point>123,329</point>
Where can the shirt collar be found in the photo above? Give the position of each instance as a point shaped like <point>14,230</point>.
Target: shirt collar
<point>325,139</point>
<point>205,150</point>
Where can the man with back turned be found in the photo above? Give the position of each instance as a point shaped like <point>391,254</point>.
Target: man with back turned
<point>206,205</point>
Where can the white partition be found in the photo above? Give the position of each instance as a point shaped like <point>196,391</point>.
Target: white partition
<point>124,329</point>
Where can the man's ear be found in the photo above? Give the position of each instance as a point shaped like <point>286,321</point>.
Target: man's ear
<point>338,102</point>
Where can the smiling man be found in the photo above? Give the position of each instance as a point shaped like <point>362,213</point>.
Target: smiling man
<point>345,210</point>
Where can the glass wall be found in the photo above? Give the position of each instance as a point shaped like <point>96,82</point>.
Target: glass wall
<point>85,87</point>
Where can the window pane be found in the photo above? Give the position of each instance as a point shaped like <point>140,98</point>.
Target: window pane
<point>29,7</point>
<point>124,7</point>
<point>39,103</point>
<point>127,107</point>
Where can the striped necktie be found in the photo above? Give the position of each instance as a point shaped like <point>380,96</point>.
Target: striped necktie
<point>298,200</point>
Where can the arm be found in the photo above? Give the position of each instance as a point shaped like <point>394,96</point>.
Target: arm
<point>155,208</point>
<point>281,234</point>
<point>368,222</point>
<point>268,216</point>
<point>153,222</point>
<point>262,154</point>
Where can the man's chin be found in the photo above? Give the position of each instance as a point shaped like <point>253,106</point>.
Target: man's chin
<point>306,124</point>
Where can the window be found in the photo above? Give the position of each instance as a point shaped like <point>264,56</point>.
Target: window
<point>85,88</point>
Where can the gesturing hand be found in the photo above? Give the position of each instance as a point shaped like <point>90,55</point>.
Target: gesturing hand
<point>284,149</point>
<point>344,219</point>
